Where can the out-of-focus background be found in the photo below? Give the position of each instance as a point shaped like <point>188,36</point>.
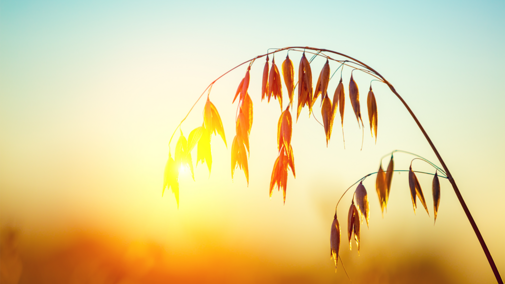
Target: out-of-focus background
<point>91,91</point>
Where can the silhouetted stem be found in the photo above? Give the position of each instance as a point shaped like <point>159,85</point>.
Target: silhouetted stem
<point>448,173</point>
<point>455,187</point>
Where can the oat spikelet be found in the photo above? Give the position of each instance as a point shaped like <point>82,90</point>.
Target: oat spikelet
<point>304,85</point>
<point>289,73</point>
<point>308,83</point>
<point>389,178</point>
<point>412,186</point>
<point>243,86</point>
<point>415,190</point>
<point>335,240</point>
<point>274,83</point>
<point>280,173</point>
<point>327,118</point>
<point>171,178</point>
<point>354,96</point>
<point>372,113</point>
<point>353,226</point>
<point>339,100</point>
<point>264,83</point>
<point>212,120</point>
<point>203,150</point>
<point>436,194</point>
<point>322,83</point>
<point>239,157</point>
<point>381,188</point>
<point>284,129</point>
<point>362,202</point>
<point>183,155</point>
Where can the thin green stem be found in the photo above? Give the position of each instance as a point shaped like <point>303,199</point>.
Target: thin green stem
<point>455,187</point>
<point>343,266</point>
<point>416,155</point>
<point>374,80</point>
<point>342,64</point>
<point>374,173</point>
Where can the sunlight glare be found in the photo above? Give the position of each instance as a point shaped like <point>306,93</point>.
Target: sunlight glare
<point>183,169</point>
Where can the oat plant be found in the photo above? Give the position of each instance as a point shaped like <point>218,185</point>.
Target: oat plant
<point>302,93</point>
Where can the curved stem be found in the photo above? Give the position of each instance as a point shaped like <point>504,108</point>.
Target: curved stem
<point>416,155</point>
<point>451,180</point>
<point>454,186</point>
<point>448,173</point>
<point>374,173</point>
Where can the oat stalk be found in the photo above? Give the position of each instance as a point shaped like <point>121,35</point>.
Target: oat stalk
<point>286,156</point>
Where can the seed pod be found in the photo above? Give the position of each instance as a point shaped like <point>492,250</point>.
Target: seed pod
<point>304,85</point>
<point>274,84</point>
<point>372,113</point>
<point>354,96</point>
<point>353,226</point>
<point>203,150</point>
<point>308,83</point>
<point>183,155</point>
<point>322,83</point>
<point>339,100</point>
<point>239,89</point>
<point>327,118</point>
<point>350,223</point>
<point>245,86</point>
<point>288,73</point>
<point>239,157</point>
<point>335,240</point>
<point>415,190</point>
<point>284,129</point>
<point>362,202</point>
<point>264,83</point>
<point>171,178</point>
<point>278,86</point>
<point>389,177</point>
<point>380,187</point>
<point>436,194</point>
<point>247,109</point>
<point>280,171</point>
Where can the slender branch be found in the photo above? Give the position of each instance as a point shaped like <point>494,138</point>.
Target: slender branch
<point>455,187</point>
<point>448,173</point>
<point>374,173</point>
<point>416,155</point>
<point>451,180</point>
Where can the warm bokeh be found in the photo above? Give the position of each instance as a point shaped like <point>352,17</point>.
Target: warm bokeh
<point>91,91</point>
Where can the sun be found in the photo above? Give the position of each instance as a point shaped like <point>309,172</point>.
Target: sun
<point>183,169</point>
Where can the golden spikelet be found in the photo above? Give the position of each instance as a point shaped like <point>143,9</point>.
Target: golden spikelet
<point>288,73</point>
<point>372,113</point>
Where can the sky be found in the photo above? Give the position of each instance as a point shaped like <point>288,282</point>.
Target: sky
<point>91,92</point>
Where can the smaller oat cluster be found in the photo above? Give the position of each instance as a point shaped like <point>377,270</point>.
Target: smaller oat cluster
<point>243,125</point>
<point>359,210</point>
<point>199,136</point>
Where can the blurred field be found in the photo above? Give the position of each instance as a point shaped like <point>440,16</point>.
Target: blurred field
<point>93,257</point>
